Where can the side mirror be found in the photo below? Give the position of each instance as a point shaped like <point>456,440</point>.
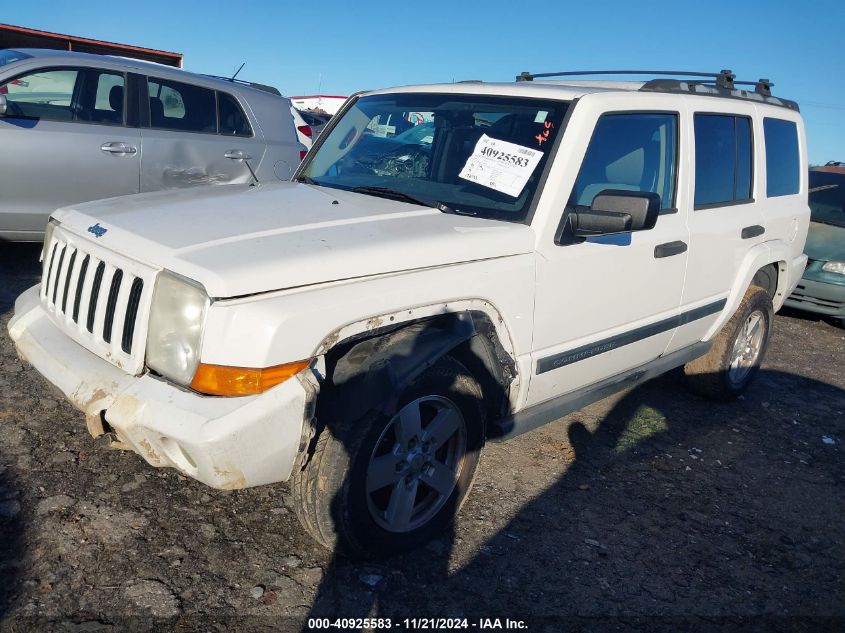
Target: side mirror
<point>3,105</point>
<point>617,211</point>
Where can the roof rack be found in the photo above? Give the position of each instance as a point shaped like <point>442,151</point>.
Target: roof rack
<point>251,84</point>
<point>723,83</point>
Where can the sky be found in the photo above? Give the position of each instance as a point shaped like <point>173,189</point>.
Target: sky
<point>337,48</point>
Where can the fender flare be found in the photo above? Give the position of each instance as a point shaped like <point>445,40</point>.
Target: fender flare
<point>372,373</point>
<point>774,252</point>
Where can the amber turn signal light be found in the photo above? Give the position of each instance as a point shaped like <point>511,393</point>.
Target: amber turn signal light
<point>222,380</point>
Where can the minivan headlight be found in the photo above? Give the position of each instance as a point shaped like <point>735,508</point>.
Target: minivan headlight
<point>177,319</point>
<point>834,267</point>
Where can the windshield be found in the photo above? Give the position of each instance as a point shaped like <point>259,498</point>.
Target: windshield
<point>827,197</point>
<point>7,56</point>
<point>469,154</point>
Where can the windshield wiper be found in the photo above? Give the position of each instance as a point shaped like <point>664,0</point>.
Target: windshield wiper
<point>392,194</point>
<point>308,180</point>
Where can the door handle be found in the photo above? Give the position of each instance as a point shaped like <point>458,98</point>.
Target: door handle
<point>117,147</point>
<point>669,249</point>
<point>236,154</point>
<point>754,230</point>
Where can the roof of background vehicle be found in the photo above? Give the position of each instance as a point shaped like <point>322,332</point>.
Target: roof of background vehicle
<point>50,56</point>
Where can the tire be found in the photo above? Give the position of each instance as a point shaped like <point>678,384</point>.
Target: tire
<point>368,489</point>
<point>725,372</point>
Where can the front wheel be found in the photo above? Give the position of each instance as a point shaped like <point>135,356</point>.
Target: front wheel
<point>390,482</point>
<point>725,372</point>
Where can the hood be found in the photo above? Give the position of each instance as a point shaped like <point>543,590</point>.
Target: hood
<point>825,242</point>
<point>239,240</point>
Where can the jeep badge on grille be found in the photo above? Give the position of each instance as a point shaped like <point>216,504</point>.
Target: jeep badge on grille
<point>97,230</point>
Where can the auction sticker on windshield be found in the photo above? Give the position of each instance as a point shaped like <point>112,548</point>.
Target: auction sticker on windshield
<point>500,165</point>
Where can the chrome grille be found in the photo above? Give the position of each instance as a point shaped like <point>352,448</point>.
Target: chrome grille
<point>98,298</point>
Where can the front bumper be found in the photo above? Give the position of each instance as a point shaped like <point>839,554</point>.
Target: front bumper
<point>819,297</point>
<point>225,443</point>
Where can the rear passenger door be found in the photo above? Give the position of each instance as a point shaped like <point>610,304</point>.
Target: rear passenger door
<point>65,139</point>
<point>194,135</point>
<point>727,221</point>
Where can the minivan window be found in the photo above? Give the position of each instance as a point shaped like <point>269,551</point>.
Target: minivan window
<point>67,94</point>
<point>233,121</point>
<point>723,159</point>
<point>43,94</point>
<point>632,152</point>
<point>783,168</point>
<point>179,106</point>
<point>108,89</point>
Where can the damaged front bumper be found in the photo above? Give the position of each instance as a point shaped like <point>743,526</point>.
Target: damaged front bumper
<point>226,443</point>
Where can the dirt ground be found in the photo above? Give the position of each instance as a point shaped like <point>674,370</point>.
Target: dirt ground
<point>651,509</point>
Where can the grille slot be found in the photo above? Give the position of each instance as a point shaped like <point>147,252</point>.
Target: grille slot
<point>83,269</point>
<point>58,274</point>
<point>46,286</point>
<point>131,315</point>
<point>116,280</point>
<point>95,294</point>
<point>68,277</point>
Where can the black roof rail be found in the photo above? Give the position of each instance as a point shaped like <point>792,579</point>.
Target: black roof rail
<point>724,79</point>
<point>251,84</point>
<point>722,84</point>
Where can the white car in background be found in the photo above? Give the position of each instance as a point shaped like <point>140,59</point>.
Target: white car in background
<point>304,132</point>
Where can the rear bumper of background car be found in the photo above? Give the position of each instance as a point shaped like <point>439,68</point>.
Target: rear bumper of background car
<point>223,442</point>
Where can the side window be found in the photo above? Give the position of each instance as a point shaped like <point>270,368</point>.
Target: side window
<point>723,159</point>
<point>783,167</point>
<point>233,121</point>
<point>47,95</point>
<point>107,93</point>
<point>632,152</point>
<point>179,106</point>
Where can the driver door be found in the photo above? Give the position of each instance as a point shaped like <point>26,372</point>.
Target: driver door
<point>609,303</point>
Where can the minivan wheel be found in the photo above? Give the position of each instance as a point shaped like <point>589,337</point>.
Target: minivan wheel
<point>391,481</point>
<point>738,350</point>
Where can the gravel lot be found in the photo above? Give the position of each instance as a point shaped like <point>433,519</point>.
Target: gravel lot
<point>642,511</point>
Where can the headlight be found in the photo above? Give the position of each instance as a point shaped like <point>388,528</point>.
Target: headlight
<point>177,319</point>
<point>48,235</point>
<point>834,267</point>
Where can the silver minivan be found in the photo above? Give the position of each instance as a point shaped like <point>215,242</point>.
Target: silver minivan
<point>76,127</point>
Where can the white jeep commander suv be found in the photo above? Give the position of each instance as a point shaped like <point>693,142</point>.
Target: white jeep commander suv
<point>452,263</point>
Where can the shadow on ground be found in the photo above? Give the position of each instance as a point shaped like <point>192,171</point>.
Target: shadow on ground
<point>19,269</point>
<point>670,507</point>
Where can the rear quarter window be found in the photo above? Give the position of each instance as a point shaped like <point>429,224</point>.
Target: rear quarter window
<point>783,164</point>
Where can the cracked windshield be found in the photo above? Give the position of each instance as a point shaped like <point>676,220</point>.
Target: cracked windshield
<point>473,155</point>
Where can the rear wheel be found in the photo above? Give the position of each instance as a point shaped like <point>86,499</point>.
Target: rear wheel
<point>738,350</point>
<point>390,482</point>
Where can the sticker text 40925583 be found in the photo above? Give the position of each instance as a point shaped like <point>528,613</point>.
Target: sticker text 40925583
<point>519,161</point>
<point>501,165</point>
